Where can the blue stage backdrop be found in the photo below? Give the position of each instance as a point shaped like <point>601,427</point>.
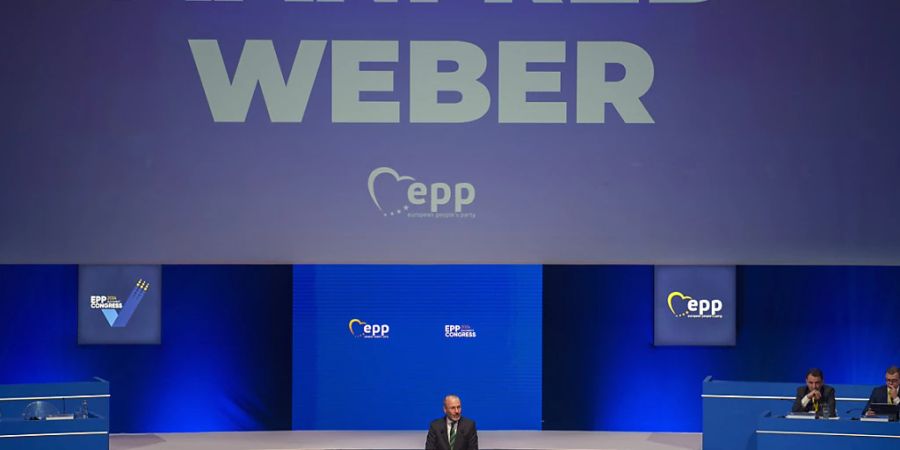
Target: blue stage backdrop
<point>223,363</point>
<point>605,373</point>
<point>470,330</point>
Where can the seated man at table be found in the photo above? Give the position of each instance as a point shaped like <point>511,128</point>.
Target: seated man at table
<point>816,395</point>
<point>888,392</point>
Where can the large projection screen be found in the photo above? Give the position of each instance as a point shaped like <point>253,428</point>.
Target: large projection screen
<point>694,132</point>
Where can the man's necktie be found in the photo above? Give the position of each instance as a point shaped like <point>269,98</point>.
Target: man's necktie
<point>452,434</point>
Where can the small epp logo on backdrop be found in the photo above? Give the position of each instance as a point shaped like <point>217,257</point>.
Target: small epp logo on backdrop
<point>412,199</point>
<point>116,313</point>
<point>694,309</point>
<point>459,331</point>
<point>360,329</point>
<point>684,293</point>
<point>119,304</point>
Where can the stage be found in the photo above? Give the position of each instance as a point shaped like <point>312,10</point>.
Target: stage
<point>403,440</point>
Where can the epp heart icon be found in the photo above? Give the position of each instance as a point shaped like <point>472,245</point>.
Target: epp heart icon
<point>384,171</point>
<point>683,297</point>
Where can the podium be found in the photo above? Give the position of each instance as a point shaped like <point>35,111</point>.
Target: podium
<point>55,416</point>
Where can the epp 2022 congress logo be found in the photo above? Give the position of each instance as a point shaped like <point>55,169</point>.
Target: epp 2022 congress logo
<point>119,304</point>
<point>694,305</point>
<point>119,313</point>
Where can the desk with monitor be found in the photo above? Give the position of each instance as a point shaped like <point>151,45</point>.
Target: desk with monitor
<point>55,416</point>
<point>732,409</point>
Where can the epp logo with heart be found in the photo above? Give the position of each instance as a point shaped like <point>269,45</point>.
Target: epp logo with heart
<point>390,190</point>
<point>685,306</point>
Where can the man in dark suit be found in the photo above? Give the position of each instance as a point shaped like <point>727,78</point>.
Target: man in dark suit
<point>816,395</point>
<point>887,393</point>
<point>453,431</point>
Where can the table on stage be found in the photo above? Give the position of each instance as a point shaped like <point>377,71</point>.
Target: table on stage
<point>55,416</point>
<point>774,432</point>
<point>731,409</point>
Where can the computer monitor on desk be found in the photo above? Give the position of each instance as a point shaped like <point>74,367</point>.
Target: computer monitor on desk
<point>885,409</point>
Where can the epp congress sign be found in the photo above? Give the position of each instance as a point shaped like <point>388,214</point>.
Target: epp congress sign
<point>119,304</point>
<point>694,305</point>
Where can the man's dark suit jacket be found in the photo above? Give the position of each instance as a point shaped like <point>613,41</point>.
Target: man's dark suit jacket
<point>827,399</point>
<point>466,435</point>
<point>879,395</point>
